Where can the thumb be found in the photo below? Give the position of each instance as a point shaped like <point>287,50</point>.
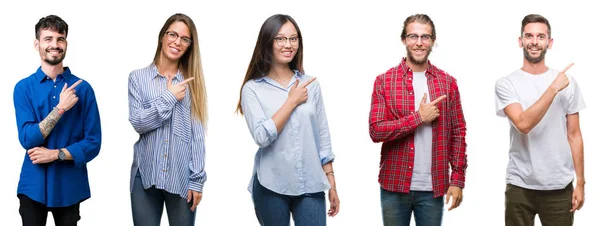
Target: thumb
<point>448,197</point>
<point>64,87</point>
<point>296,83</point>
<point>169,81</point>
<point>189,197</point>
<point>424,100</point>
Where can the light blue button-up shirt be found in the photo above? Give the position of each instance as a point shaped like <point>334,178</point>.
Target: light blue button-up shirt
<point>289,162</point>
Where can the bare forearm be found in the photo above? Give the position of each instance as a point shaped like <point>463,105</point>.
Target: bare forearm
<point>529,118</point>
<point>282,115</point>
<point>49,122</point>
<point>328,169</point>
<point>576,144</point>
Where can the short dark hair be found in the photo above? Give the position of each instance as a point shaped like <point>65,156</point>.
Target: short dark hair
<point>535,18</point>
<point>421,18</point>
<point>53,23</point>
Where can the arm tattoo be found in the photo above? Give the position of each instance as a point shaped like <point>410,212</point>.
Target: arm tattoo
<point>49,122</point>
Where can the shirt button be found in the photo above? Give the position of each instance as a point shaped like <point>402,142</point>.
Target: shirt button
<point>53,97</point>
<point>412,148</point>
<point>164,170</point>
<point>54,86</point>
<point>410,167</point>
<point>165,155</point>
<point>410,93</point>
<point>167,140</point>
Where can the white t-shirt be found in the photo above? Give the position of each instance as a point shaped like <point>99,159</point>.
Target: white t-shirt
<point>542,159</point>
<point>421,178</point>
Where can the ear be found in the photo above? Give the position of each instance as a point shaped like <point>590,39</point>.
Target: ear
<point>36,44</point>
<point>520,42</point>
<point>550,42</point>
<point>403,40</point>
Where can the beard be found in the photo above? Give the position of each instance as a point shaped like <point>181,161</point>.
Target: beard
<point>53,60</point>
<point>415,60</point>
<point>532,59</point>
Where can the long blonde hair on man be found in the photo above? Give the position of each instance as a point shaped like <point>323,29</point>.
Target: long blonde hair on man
<point>190,64</point>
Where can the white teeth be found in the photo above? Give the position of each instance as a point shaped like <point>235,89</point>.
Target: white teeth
<point>174,50</point>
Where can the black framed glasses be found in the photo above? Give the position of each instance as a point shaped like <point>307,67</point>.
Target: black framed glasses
<point>172,36</point>
<point>282,40</point>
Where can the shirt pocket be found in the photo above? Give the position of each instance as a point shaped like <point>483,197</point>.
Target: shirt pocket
<point>182,123</point>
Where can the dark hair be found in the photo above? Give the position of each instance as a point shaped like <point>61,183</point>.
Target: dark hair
<point>260,64</point>
<point>535,18</point>
<point>53,23</point>
<point>421,18</point>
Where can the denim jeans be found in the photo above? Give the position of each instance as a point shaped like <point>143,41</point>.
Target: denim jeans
<point>147,206</point>
<point>273,209</point>
<point>397,208</point>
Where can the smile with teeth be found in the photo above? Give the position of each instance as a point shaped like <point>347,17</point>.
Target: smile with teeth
<point>287,53</point>
<point>174,50</point>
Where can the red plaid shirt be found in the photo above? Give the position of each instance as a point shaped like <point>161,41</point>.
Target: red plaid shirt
<point>394,118</point>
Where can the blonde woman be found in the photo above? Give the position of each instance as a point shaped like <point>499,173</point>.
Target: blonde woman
<point>167,107</point>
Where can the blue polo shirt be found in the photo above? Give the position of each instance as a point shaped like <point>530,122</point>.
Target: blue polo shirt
<point>58,183</point>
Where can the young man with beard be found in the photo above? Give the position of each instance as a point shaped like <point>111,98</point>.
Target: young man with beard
<point>546,148</point>
<point>416,112</point>
<point>59,128</point>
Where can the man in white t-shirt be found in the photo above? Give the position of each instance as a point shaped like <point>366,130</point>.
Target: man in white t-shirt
<point>546,149</point>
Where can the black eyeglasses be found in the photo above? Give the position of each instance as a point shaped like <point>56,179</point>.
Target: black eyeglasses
<point>172,36</point>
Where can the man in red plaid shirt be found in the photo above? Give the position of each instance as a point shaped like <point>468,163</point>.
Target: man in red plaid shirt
<point>416,112</point>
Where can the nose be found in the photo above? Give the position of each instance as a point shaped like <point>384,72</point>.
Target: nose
<point>287,43</point>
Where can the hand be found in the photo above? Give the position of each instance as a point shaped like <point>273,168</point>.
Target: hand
<point>68,97</point>
<point>298,93</point>
<point>429,111</point>
<point>334,203</point>
<point>195,197</point>
<point>39,155</point>
<point>561,81</point>
<point>178,90</point>
<point>578,198</point>
<point>456,194</point>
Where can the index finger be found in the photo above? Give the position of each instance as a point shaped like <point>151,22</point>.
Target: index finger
<point>438,99</point>
<point>309,81</point>
<point>567,68</point>
<point>187,80</point>
<point>75,84</point>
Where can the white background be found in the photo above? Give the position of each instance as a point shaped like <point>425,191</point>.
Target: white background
<point>346,46</point>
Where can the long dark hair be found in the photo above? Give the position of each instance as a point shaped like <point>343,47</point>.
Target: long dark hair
<point>260,64</point>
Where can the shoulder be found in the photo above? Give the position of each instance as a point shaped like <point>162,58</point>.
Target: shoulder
<point>25,82</point>
<point>142,73</point>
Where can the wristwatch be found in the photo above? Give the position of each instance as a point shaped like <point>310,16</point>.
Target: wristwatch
<point>61,155</point>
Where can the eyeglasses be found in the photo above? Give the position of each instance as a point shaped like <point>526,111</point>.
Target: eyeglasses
<point>172,36</point>
<point>412,38</point>
<point>282,40</point>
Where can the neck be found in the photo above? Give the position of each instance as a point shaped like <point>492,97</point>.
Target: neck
<point>166,66</point>
<point>280,71</point>
<point>417,67</point>
<point>52,70</point>
<point>534,68</point>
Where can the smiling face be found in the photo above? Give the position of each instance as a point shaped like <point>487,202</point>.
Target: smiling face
<point>176,41</point>
<point>535,41</point>
<point>419,48</point>
<point>52,46</point>
<point>285,44</point>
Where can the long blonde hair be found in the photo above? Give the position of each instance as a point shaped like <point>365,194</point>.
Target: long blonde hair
<point>190,64</point>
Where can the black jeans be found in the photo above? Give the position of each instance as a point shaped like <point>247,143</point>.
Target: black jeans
<point>35,214</point>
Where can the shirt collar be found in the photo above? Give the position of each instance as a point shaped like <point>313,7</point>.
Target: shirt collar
<point>403,68</point>
<point>41,76</point>
<point>263,78</point>
<point>154,69</point>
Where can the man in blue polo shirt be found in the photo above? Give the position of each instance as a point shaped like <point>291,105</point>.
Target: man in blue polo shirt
<point>59,128</point>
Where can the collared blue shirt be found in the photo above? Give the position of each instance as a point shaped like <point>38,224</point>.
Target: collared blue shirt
<point>58,183</point>
<point>290,162</point>
<point>170,151</point>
